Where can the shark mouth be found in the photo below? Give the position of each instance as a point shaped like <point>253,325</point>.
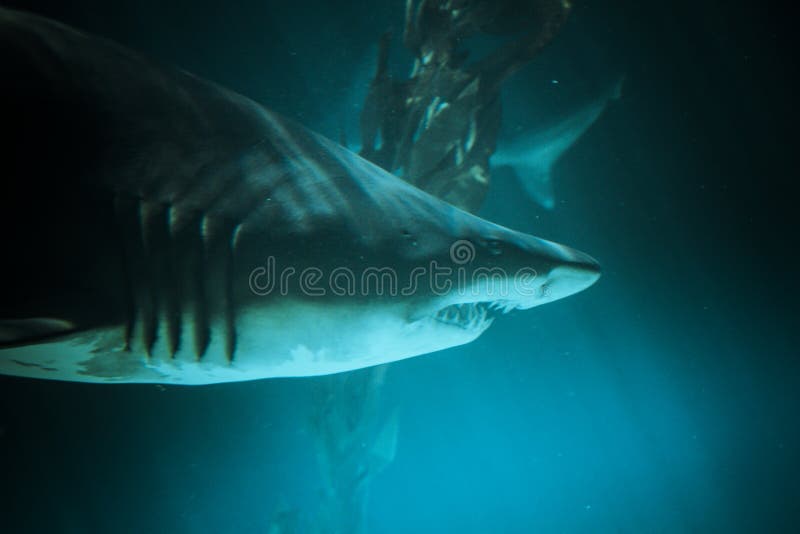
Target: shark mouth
<point>473,315</point>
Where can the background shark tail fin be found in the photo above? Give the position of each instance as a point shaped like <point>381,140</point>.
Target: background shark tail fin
<point>537,183</point>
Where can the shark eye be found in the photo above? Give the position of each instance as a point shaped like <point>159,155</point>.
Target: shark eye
<point>544,290</point>
<point>493,246</point>
<point>408,236</point>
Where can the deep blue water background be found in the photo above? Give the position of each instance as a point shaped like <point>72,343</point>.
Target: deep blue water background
<point>664,399</point>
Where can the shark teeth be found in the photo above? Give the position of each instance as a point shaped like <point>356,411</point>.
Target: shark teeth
<point>471,315</point>
<point>503,306</point>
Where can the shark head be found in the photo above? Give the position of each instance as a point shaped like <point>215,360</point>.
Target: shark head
<point>487,273</point>
<point>391,273</point>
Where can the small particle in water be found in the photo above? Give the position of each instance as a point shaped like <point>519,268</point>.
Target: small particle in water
<point>554,82</point>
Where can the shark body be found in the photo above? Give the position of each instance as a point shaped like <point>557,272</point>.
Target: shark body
<point>160,228</point>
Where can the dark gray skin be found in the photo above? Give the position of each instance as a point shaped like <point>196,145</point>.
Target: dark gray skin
<point>140,200</point>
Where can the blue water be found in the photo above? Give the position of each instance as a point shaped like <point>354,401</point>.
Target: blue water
<point>663,399</point>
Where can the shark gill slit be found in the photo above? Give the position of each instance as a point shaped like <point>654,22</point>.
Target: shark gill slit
<point>193,270</point>
<point>126,211</point>
<point>218,238</point>
<point>230,308</point>
<point>170,288</point>
<point>155,243</point>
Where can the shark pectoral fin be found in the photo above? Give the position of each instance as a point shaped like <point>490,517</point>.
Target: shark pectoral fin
<point>31,330</point>
<point>616,89</point>
<point>384,449</point>
<point>537,183</point>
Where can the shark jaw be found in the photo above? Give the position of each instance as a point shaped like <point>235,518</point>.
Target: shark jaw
<point>316,337</point>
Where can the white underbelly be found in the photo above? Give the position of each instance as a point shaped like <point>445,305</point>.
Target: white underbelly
<point>292,341</point>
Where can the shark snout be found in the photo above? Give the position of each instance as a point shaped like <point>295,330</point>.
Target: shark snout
<point>568,279</point>
<point>561,271</point>
<point>532,270</point>
<point>575,264</point>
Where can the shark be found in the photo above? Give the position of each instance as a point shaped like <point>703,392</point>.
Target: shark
<point>159,228</point>
<point>534,154</point>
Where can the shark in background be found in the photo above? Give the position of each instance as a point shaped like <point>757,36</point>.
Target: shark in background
<point>141,201</point>
<point>342,124</point>
<point>533,154</point>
